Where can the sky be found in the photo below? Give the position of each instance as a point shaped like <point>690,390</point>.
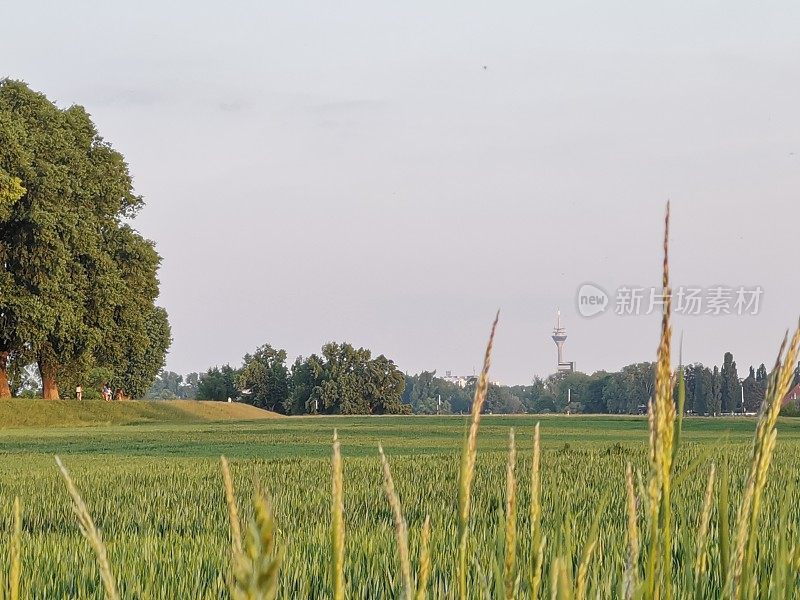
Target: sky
<point>391,174</point>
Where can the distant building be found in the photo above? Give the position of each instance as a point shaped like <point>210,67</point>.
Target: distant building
<point>559,337</point>
<point>463,381</point>
<point>793,396</point>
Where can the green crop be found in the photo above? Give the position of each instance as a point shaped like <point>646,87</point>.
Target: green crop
<point>413,507</point>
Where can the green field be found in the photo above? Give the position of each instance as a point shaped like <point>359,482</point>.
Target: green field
<point>155,491</point>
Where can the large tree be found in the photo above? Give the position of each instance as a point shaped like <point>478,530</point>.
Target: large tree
<point>11,191</point>
<point>264,379</point>
<point>79,284</point>
<point>347,380</point>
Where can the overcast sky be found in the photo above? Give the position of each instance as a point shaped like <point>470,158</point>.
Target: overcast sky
<point>390,174</point>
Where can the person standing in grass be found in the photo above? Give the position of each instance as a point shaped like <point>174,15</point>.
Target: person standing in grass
<point>79,393</point>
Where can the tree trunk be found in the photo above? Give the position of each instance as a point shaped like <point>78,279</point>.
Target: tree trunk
<point>49,384</point>
<point>5,390</point>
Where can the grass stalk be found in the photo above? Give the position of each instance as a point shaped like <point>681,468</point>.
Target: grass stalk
<point>400,526</point>
<point>724,524</point>
<point>424,560</point>
<point>233,510</point>
<point>337,522</point>
<point>255,563</point>
<point>91,533</point>
<point>779,381</point>
<point>537,540</point>
<point>467,469</point>
<point>631,579</point>
<point>701,552</point>
<point>581,579</point>
<point>15,558</point>
<point>510,563</point>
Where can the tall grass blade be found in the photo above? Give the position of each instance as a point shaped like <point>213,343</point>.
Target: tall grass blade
<point>510,563</point>
<point>467,470</point>
<point>631,579</point>
<point>741,572</point>
<point>16,553</point>
<point>588,549</point>
<point>701,551</point>
<point>723,514</point>
<point>257,566</point>
<point>537,542</point>
<point>337,522</point>
<point>91,533</point>
<point>255,563</point>
<point>681,404</point>
<point>662,425</point>
<point>233,510</point>
<point>424,560</point>
<point>401,529</point>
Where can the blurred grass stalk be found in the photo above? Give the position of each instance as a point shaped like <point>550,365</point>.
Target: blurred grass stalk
<point>255,561</point>
<point>91,533</point>
<point>337,521</point>
<point>467,470</point>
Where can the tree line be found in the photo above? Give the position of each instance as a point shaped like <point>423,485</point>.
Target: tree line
<point>77,283</point>
<point>341,379</point>
<point>346,380</point>
<point>709,391</point>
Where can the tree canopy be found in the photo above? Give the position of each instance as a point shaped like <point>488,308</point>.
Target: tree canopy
<point>79,284</point>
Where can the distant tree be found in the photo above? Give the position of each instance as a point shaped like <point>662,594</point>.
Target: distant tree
<point>301,385</point>
<point>614,394</point>
<point>188,389</point>
<point>753,392</point>
<point>570,391</point>
<point>424,390</point>
<point>690,374</point>
<point>383,387</point>
<point>218,384</point>
<point>593,401</point>
<point>346,380</point>
<point>431,406</point>
<point>165,381</point>
<point>421,389</point>
<point>731,387</point>
<point>629,390</point>
<point>715,398</point>
<point>702,389</point>
<point>500,400</point>
<point>263,380</point>
<point>762,379</point>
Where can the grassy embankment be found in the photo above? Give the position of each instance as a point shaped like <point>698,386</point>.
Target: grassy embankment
<point>71,413</point>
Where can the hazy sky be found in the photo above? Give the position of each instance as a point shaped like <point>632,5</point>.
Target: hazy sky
<point>350,171</point>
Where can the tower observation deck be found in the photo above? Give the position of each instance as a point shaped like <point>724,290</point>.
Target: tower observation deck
<point>560,337</point>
